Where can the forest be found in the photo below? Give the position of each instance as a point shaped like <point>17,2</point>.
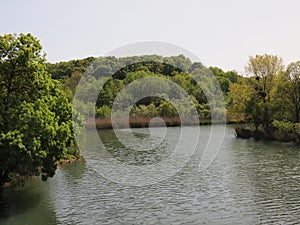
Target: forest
<point>266,98</point>
<point>36,100</point>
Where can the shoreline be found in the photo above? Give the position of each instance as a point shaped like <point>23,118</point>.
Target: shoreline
<point>144,122</point>
<point>70,159</point>
<point>272,135</point>
<point>20,181</point>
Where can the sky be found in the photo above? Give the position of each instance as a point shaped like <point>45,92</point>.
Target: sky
<point>221,33</point>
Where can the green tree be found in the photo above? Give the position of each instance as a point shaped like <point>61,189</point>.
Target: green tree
<point>239,95</point>
<point>35,118</point>
<point>166,109</point>
<point>103,112</point>
<point>281,103</point>
<point>71,83</point>
<point>293,74</point>
<point>253,111</point>
<point>286,94</point>
<point>265,69</point>
<point>64,70</point>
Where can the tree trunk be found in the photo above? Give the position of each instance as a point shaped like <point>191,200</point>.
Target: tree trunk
<point>3,179</point>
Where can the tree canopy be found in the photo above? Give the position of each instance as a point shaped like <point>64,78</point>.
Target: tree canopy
<point>35,118</point>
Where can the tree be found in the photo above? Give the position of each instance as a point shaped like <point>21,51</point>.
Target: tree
<point>293,74</point>
<point>166,109</point>
<point>35,118</point>
<point>71,83</point>
<point>63,70</point>
<point>225,78</point>
<point>253,111</point>
<point>286,94</point>
<point>239,95</point>
<point>265,69</point>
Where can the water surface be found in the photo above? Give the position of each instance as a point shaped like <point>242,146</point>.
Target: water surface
<point>249,182</point>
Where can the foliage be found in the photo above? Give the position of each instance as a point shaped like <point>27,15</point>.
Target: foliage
<point>270,93</point>
<point>240,96</point>
<point>63,70</point>
<point>289,130</point>
<point>36,113</point>
<point>225,79</point>
<point>103,112</point>
<point>265,69</point>
<point>293,91</point>
<point>270,98</point>
<point>35,119</point>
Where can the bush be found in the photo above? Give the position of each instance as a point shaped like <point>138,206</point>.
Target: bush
<point>103,112</point>
<point>287,130</point>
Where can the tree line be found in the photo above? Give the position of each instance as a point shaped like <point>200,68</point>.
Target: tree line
<point>36,98</point>
<point>269,98</point>
<point>267,95</point>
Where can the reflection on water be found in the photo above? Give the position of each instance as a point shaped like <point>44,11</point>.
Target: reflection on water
<point>148,152</point>
<point>27,205</point>
<point>249,183</point>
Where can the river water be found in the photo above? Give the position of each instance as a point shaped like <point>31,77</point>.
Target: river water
<point>249,182</point>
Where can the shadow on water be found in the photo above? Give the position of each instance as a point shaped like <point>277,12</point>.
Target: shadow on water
<point>27,205</point>
<point>71,173</point>
<point>35,202</point>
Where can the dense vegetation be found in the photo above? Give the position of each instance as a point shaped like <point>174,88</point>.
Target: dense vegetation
<point>194,78</point>
<point>267,97</point>
<point>36,117</point>
<point>36,97</point>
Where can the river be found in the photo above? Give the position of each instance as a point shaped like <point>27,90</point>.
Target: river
<point>249,182</point>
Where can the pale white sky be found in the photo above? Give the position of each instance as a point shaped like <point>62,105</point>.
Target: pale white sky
<point>222,33</point>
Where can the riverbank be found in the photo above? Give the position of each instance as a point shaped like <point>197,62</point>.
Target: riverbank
<point>19,181</point>
<point>70,159</point>
<point>144,122</point>
<point>273,134</point>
